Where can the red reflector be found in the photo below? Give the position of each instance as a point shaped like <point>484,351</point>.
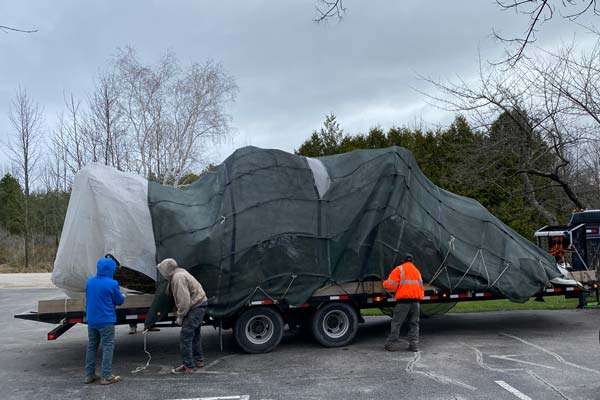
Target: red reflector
<point>51,336</point>
<point>141,316</point>
<point>75,320</point>
<point>344,297</point>
<point>267,302</point>
<point>594,230</point>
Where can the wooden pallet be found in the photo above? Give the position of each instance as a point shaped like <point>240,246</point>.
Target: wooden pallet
<point>78,305</point>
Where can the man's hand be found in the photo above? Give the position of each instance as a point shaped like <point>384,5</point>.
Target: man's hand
<point>179,321</point>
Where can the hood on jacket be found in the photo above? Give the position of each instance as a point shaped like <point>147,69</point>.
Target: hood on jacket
<point>106,267</point>
<point>167,267</point>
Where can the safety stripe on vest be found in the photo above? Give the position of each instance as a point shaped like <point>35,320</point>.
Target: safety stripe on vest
<point>393,283</point>
<point>410,282</point>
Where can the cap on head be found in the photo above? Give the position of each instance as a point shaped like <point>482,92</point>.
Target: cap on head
<point>408,257</point>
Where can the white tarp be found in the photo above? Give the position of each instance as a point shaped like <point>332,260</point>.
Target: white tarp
<point>107,213</point>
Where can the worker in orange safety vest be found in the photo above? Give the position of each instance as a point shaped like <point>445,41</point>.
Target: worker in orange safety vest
<point>406,283</point>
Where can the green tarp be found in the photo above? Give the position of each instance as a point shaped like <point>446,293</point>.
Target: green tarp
<point>266,223</point>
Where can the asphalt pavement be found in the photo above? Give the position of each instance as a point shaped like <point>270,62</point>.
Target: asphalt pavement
<point>494,355</point>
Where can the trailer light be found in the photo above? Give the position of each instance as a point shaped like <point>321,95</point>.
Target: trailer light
<point>444,295</point>
<point>51,336</point>
<point>378,298</point>
<point>595,285</point>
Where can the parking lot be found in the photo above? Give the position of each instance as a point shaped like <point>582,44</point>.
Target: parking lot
<point>494,355</point>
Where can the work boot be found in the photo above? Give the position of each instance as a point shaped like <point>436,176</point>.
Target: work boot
<point>199,363</point>
<point>109,380</point>
<point>91,379</point>
<point>413,347</point>
<point>182,369</point>
<point>392,346</point>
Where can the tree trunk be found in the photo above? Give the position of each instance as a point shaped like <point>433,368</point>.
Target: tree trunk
<point>530,195</point>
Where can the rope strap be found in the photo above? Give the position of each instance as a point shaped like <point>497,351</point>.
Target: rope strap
<point>142,368</point>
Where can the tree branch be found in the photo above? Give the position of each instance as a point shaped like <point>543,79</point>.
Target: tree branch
<point>5,28</point>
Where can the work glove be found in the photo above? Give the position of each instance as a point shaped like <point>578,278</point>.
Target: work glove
<point>179,321</point>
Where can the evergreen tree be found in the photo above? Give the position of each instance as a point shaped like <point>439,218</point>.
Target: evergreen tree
<point>325,142</point>
<point>11,205</point>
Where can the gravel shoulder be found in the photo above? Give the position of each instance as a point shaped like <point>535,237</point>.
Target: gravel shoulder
<point>26,280</point>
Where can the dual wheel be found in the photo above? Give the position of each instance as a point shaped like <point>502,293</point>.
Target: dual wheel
<point>260,329</point>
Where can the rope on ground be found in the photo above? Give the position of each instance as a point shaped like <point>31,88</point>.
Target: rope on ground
<point>142,368</point>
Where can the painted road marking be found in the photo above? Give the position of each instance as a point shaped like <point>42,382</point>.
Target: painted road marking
<point>244,397</point>
<point>558,357</point>
<point>438,378</point>
<point>482,364</point>
<point>510,357</point>
<point>551,386</point>
<point>512,390</point>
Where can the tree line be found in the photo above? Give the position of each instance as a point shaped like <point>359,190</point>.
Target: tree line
<point>477,163</point>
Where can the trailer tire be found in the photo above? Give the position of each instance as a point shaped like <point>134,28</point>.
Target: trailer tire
<point>335,324</point>
<point>258,329</point>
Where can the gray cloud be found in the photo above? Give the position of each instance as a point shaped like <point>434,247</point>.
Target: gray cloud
<point>291,71</point>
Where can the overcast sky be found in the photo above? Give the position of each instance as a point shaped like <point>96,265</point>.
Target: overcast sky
<point>291,71</point>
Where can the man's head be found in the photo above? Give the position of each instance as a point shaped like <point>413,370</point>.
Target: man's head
<point>167,267</point>
<point>106,267</point>
<point>408,257</point>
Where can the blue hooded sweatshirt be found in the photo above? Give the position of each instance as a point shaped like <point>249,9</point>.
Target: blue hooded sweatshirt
<point>102,295</point>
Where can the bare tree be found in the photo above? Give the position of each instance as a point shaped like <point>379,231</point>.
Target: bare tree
<point>172,112</point>
<point>551,108</point>
<point>106,122</point>
<point>5,29</point>
<point>154,120</point>
<point>24,149</point>
<point>540,11</point>
<point>142,88</point>
<point>329,8</point>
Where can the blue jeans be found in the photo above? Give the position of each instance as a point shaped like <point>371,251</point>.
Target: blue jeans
<point>106,336</point>
<point>190,341</point>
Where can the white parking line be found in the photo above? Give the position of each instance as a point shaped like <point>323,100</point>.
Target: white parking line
<point>244,397</point>
<point>438,378</point>
<point>558,357</point>
<point>512,390</point>
<point>511,357</point>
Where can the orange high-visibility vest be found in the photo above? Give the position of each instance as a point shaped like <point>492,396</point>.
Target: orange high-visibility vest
<point>406,280</point>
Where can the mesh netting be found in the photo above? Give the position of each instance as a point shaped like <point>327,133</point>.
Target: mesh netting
<point>266,223</point>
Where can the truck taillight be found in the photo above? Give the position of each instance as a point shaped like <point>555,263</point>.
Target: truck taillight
<point>378,298</point>
<point>51,336</point>
<point>595,285</point>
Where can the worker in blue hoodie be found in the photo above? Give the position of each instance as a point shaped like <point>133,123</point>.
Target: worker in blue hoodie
<point>102,295</point>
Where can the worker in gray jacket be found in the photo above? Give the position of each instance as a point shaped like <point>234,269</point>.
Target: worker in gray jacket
<point>190,301</point>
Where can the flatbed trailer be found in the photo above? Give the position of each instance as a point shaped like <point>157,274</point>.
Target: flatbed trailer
<point>332,314</point>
